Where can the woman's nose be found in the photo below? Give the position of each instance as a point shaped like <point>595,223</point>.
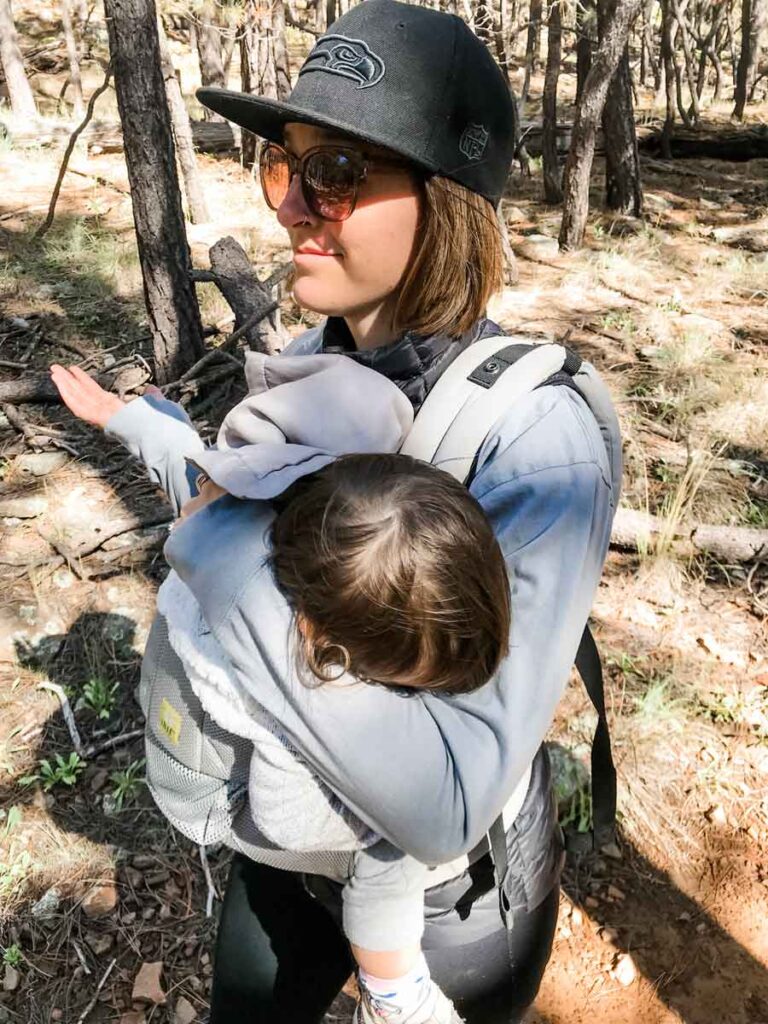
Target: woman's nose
<point>294,210</point>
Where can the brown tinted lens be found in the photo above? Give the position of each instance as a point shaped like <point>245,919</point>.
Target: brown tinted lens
<point>275,175</point>
<point>330,183</point>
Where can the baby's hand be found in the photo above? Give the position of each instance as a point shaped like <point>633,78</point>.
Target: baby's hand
<point>83,396</point>
<point>207,492</point>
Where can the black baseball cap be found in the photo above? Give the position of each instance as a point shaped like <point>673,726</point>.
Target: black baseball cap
<point>412,79</point>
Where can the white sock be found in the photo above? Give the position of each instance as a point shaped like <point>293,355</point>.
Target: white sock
<point>406,994</point>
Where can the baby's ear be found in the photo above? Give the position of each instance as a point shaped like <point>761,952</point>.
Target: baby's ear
<point>307,629</point>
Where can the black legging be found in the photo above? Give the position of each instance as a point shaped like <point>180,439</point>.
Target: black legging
<point>282,959</point>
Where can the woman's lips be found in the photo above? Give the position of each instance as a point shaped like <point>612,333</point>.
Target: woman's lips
<point>314,253</point>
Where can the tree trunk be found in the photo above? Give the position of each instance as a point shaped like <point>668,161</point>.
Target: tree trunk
<point>182,134</point>
<point>208,40</point>
<point>174,315</point>
<point>280,50</point>
<point>668,63</point>
<point>531,47</point>
<point>553,192</point>
<point>579,163</point>
<point>623,188</point>
<point>585,32</point>
<point>754,14</point>
<point>264,67</point>
<point>695,113</point>
<point>78,107</point>
<point>19,90</point>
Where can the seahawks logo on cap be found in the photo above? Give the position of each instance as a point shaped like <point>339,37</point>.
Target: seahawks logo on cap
<point>349,58</point>
<point>473,141</point>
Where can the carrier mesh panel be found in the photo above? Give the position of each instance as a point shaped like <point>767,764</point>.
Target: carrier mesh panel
<point>196,771</point>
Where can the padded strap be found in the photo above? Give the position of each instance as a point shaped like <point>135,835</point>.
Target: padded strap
<point>471,396</point>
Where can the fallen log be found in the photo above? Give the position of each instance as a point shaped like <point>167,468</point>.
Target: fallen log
<point>752,239</point>
<point>737,144</point>
<point>40,389</point>
<point>107,136</point>
<point>641,531</point>
<point>250,300</point>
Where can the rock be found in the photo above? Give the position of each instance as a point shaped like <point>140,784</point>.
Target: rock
<point>100,944</point>
<point>99,780</point>
<point>514,215</point>
<point>133,877</point>
<point>57,1013</point>
<point>591,902</point>
<point>184,1012</point>
<point>101,900</point>
<point>11,979</point>
<point>153,878</point>
<point>47,906</point>
<point>128,918</point>
<point>63,578</point>
<point>717,816</point>
<point>624,970</point>
<point>538,247</point>
<point>165,912</point>
<point>611,850</point>
<point>616,893</point>
<point>22,508</point>
<point>148,913</point>
<point>40,463</point>
<point>109,805</point>
<point>609,935</point>
<point>142,861</point>
<point>146,986</point>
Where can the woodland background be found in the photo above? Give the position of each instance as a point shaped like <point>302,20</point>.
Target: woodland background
<point>134,241</point>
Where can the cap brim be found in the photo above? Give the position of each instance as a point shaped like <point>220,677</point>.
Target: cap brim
<point>267,118</point>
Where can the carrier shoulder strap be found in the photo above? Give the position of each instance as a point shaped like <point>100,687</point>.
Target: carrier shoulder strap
<point>460,411</point>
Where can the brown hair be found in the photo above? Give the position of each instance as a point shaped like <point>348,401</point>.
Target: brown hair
<point>457,262</point>
<point>392,561</point>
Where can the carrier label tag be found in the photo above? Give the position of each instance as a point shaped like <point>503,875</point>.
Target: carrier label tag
<point>170,721</point>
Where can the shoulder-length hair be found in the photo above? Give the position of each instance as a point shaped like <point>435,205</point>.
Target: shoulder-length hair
<point>457,262</point>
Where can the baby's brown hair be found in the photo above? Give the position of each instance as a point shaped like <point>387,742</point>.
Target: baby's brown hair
<point>393,561</point>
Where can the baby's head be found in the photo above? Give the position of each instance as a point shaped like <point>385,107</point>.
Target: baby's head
<point>393,561</point>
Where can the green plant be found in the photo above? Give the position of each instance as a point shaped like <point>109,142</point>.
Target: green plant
<point>100,695</point>
<point>12,955</point>
<point>13,872</point>
<point>13,819</point>
<point>127,783</point>
<point>64,772</point>
<point>656,703</point>
<point>576,811</point>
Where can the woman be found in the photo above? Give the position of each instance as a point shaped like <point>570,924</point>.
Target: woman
<point>386,164</point>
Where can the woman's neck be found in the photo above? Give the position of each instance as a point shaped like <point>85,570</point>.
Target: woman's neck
<point>371,327</point>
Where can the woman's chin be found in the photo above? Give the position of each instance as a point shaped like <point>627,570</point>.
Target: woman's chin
<point>317,296</point>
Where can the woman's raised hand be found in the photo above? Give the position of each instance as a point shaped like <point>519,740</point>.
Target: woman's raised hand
<point>83,396</point>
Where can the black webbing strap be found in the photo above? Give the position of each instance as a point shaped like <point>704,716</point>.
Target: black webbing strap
<point>603,770</point>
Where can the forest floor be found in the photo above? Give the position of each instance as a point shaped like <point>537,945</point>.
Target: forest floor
<point>672,925</point>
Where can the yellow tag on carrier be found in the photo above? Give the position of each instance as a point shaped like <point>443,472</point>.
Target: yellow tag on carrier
<point>170,720</point>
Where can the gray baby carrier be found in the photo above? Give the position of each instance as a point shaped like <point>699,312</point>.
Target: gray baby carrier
<point>197,772</point>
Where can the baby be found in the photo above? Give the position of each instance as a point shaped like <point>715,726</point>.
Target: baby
<point>394,577</point>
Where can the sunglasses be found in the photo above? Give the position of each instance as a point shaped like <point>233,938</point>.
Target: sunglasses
<point>330,177</point>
